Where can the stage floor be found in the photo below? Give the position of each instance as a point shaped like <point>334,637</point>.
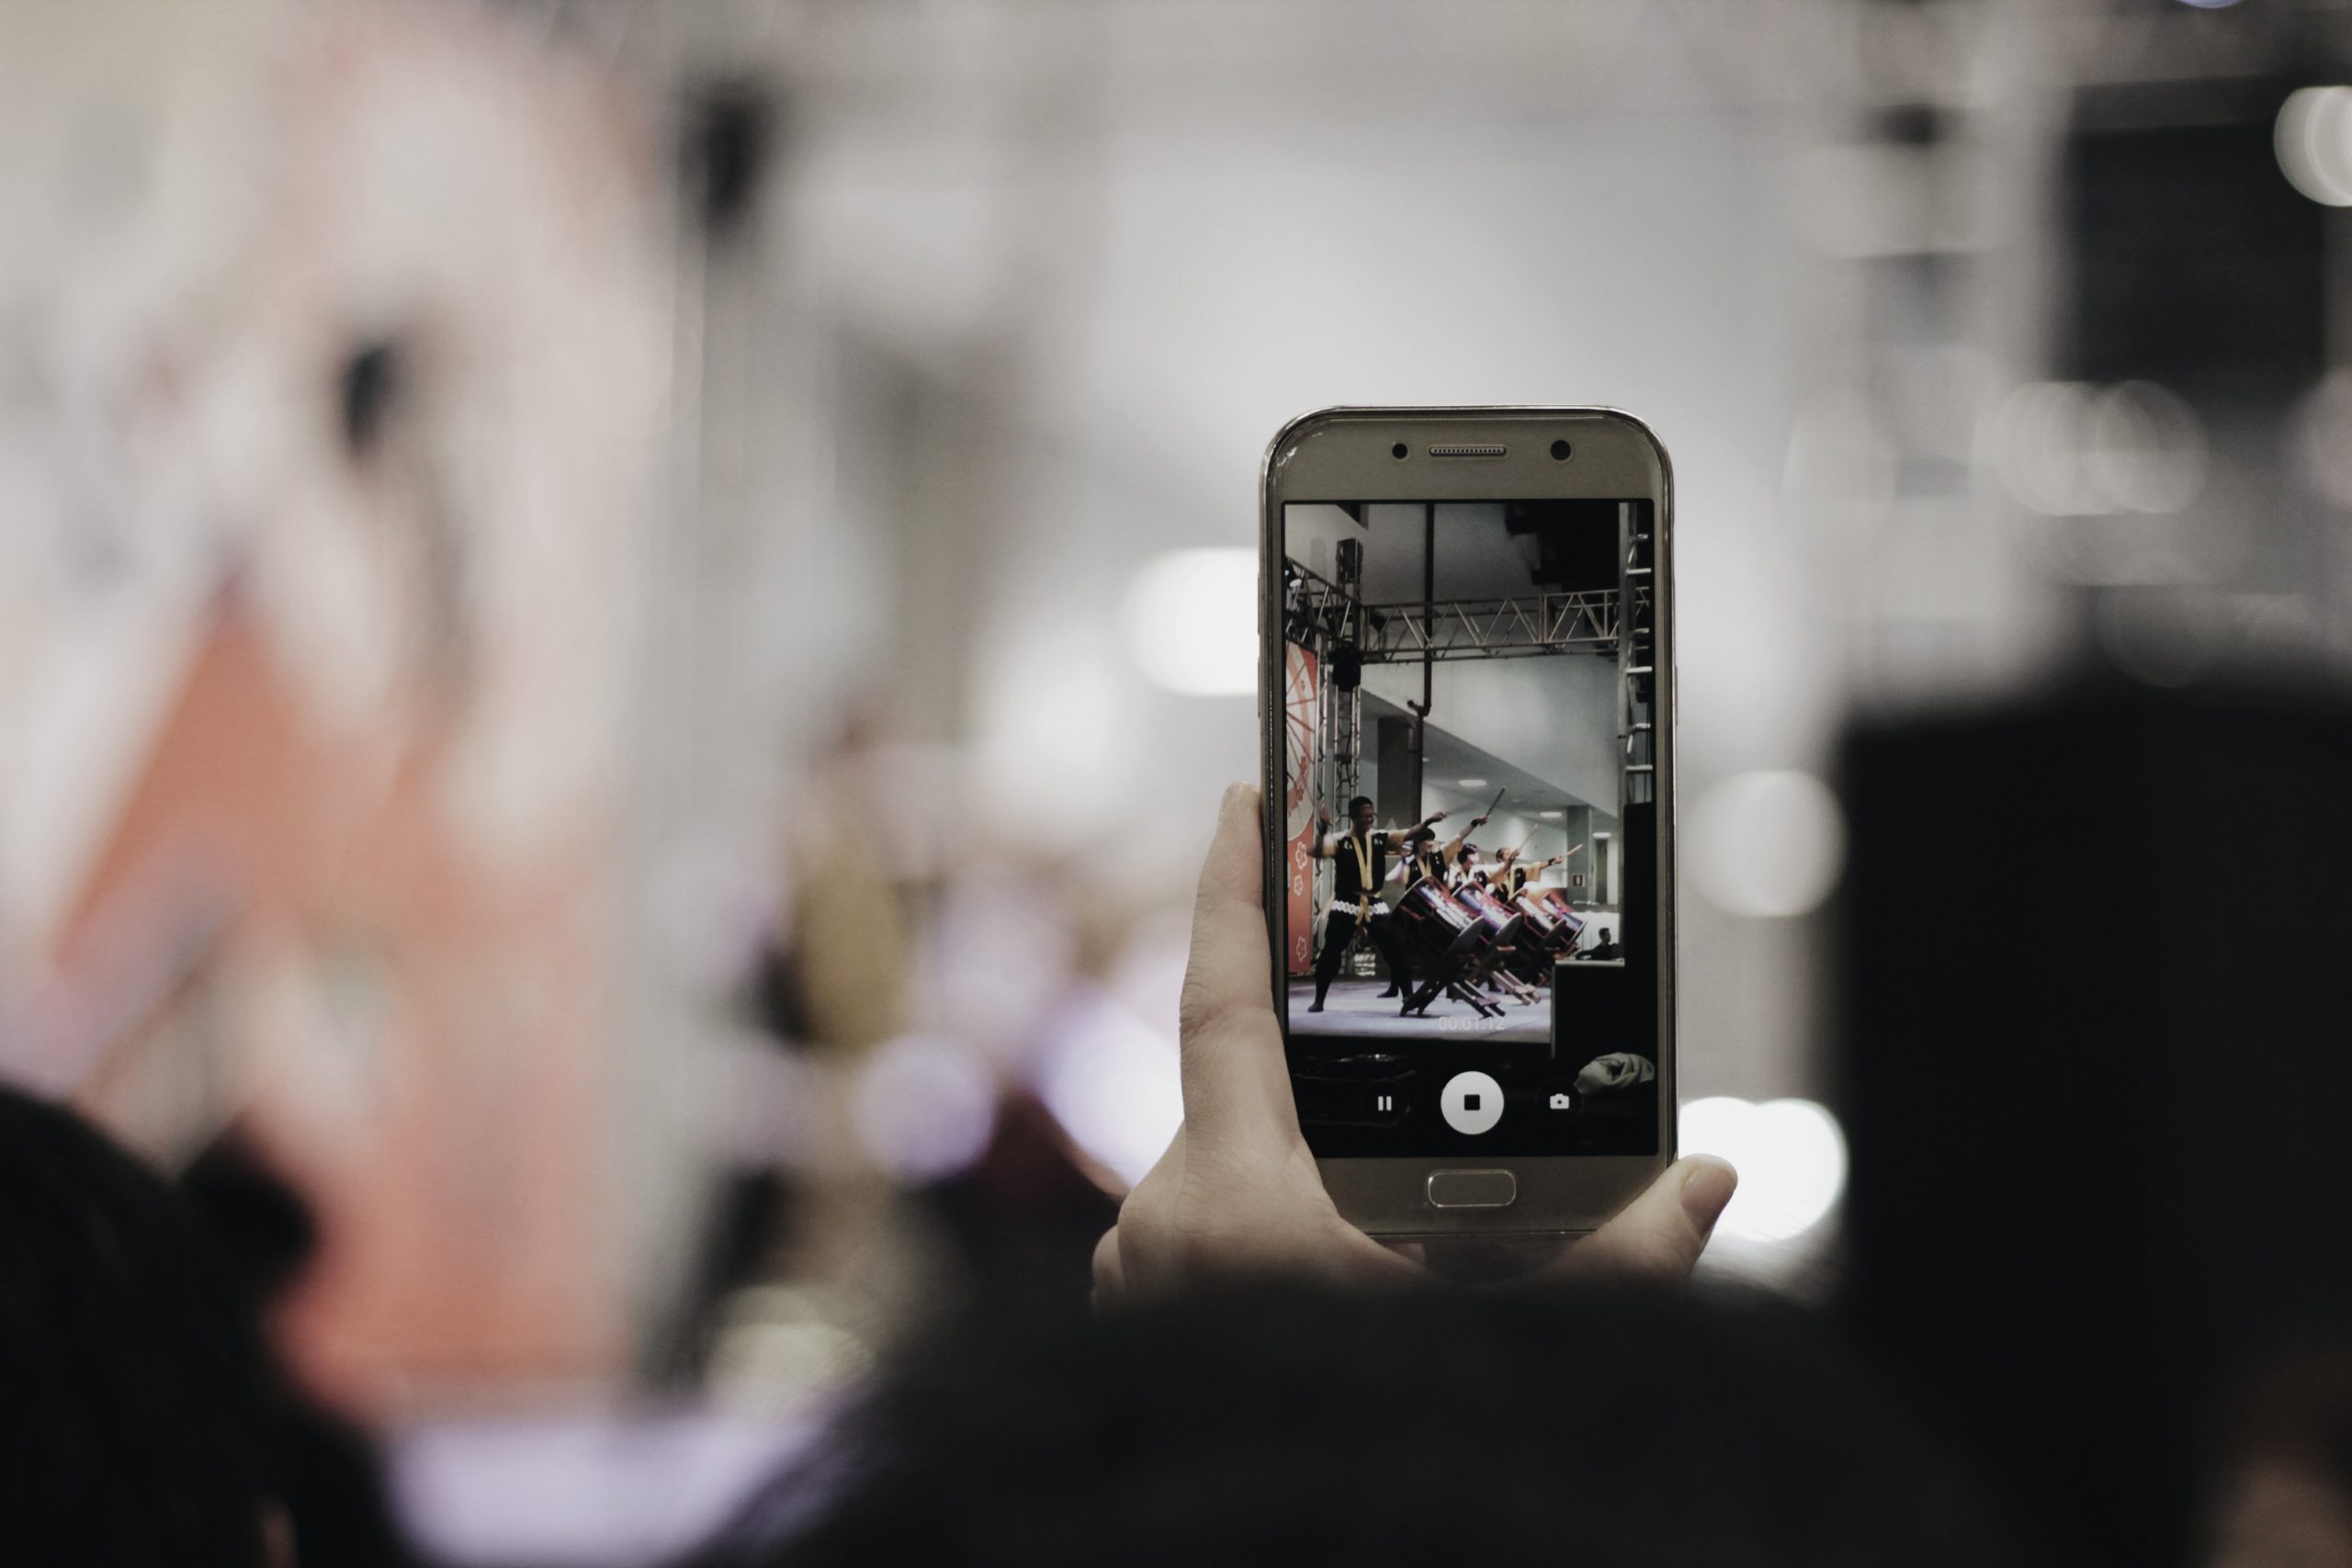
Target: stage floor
<point>1354,1009</point>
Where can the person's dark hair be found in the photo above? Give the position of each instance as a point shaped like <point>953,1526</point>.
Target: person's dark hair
<point>1462,856</point>
<point>266,1231</point>
<point>1358,803</point>
<point>1608,1429</point>
<point>135,1428</point>
<point>330,1478</point>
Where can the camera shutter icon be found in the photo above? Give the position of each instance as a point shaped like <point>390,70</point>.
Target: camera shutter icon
<point>1559,1100</point>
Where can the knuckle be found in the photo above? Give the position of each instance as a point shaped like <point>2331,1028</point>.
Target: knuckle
<point>1204,1010</point>
<point>1198,1007</point>
<point>1131,1212</point>
<point>1199,1243</point>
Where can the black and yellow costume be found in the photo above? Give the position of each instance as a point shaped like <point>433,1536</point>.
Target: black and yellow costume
<point>1360,871</point>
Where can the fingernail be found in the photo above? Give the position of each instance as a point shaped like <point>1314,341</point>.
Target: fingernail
<point>1706,1189</point>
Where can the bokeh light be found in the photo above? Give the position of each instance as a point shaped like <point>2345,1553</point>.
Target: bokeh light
<point>1112,1081</point>
<point>2314,138</point>
<point>925,1105</point>
<point>1791,1156</point>
<point>1768,843</point>
<point>1192,621</point>
<point>2067,449</point>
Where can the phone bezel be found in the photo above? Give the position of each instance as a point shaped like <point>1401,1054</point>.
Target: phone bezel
<point>1343,454</point>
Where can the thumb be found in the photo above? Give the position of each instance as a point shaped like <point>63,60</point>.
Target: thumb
<point>1661,1234</point>
<point>1237,1084</point>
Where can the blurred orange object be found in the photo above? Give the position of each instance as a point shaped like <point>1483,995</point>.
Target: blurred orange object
<point>412,1035</point>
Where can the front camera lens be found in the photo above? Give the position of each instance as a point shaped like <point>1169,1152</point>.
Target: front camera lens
<point>1397,451</point>
<point>1559,451</point>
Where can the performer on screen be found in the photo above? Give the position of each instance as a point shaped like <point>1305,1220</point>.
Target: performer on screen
<point>1507,876</point>
<point>1425,861</point>
<point>1361,868</point>
<point>1420,856</point>
<point>1509,879</point>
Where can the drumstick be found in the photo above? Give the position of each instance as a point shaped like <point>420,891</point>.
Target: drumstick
<point>1569,851</point>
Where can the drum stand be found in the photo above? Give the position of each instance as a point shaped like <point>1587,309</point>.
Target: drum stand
<point>1456,975</point>
<point>1494,966</point>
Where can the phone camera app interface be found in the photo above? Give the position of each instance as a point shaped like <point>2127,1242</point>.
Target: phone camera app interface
<point>1470,871</point>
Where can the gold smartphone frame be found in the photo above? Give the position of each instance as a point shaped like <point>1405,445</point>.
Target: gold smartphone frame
<point>1343,454</point>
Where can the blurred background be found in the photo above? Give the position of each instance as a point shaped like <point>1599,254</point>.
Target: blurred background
<point>621,620</point>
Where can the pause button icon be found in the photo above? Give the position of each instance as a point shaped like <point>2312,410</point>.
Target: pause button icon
<point>1384,1103</point>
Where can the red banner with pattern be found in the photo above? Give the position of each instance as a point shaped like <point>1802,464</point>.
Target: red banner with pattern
<point>1301,751</point>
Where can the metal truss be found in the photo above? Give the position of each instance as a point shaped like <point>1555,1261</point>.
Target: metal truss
<point>1317,611</point>
<point>1494,628</point>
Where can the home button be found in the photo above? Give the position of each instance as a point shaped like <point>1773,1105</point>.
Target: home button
<point>1472,1188</point>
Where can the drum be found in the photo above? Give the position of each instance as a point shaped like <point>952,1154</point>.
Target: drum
<point>1489,909</point>
<point>1510,957</point>
<point>1431,920</point>
<point>1559,929</point>
<point>1545,940</point>
<point>1570,922</point>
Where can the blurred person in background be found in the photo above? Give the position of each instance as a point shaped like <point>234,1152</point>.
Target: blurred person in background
<point>2092,1368</point>
<point>895,1156</point>
<point>332,1480</point>
<point>826,986</point>
<point>1616,1423</point>
<point>145,1421</point>
<point>845,945</point>
<point>138,1428</point>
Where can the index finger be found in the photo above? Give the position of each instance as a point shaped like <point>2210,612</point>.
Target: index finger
<point>1237,1084</point>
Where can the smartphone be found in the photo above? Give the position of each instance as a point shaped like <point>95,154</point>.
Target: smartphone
<point>1466,684</point>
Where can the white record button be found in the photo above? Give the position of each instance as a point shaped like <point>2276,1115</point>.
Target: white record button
<point>1473,1103</point>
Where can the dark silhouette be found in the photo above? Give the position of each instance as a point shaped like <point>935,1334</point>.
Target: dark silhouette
<point>1305,1424</point>
<point>136,1426</point>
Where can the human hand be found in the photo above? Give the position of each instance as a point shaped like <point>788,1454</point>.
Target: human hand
<point>1238,1191</point>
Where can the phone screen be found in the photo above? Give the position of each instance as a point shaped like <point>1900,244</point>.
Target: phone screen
<point>1471,929</point>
